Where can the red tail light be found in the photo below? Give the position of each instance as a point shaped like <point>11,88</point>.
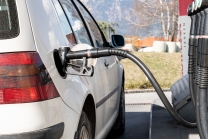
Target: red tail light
<point>24,79</point>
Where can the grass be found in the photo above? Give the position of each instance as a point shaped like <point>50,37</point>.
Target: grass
<point>166,67</point>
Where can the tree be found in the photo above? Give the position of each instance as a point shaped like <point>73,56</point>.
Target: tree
<point>108,28</point>
<point>149,13</point>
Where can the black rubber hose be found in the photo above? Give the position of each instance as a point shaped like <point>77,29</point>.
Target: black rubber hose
<point>102,52</point>
<point>199,125</point>
<point>203,112</point>
<point>197,33</point>
<point>191,53</point>
<point>155,84</point>
<point>159,91</point>
<point>191,87</point>
<point>204,4</point>
<point>203,85</point>
<point>202,100</point>
<point>199,29</point>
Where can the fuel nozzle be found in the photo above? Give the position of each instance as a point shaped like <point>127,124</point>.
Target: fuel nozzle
<point>90,53</point>
<point>192,36</point>
<point>202,4</point>
<point>189,10</point>
<point>65,59</point>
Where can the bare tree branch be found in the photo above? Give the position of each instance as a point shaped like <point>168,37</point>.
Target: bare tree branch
<point>151,12</point>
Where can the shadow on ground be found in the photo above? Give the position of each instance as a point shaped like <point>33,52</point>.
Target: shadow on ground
<point>164,126</point>
<point>137,126</point>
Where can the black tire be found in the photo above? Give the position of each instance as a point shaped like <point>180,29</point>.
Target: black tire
<point>119,126</point>
<point>84,125</point>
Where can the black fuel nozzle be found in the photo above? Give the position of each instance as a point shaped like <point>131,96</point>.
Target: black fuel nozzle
<point>91,53</point>
<point>189,10</point>
<point>192,29</point>
<point>64,58</point>
<point>192,38</point>
<point>202,4</point>
<point>196,8</point>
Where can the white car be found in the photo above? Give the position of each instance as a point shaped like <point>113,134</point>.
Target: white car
<point>36,100</point>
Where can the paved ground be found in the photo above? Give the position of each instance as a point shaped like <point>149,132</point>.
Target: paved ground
<point>164,126</point>
<point>138,107</point>
<point>137,115</point>
<point>135,127</point>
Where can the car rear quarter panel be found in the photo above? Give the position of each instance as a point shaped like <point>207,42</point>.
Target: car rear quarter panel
<point>48,36</point>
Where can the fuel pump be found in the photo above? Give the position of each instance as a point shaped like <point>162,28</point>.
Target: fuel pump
<point>194,71</point>
<point>198,67</point>
<point>203,68</point>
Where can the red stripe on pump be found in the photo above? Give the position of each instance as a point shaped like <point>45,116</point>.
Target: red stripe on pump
<point>183,5</point>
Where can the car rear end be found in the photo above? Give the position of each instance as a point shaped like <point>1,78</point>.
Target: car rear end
<point>30,105</point>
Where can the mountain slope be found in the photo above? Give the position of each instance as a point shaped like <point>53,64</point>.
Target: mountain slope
<point>110,11</point>
<point>117,11</point>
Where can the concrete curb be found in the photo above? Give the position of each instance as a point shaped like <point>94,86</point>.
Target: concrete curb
<point>144,91</point>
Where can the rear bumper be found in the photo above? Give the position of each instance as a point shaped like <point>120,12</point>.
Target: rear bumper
<point>53,132</point>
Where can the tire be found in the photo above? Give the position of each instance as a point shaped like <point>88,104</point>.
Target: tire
<point>119,126</point>
<point>84,127</point>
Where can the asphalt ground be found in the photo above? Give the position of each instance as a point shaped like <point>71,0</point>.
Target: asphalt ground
<point>137,123</point>
<point>138,106</point>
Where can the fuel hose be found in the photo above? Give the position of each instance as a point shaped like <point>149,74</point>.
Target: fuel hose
<point>199,32</point>
<point>198,64</point>
<point>191,52</point>
<point>195,11</point>
<point>203,76</point>
<point>102,52</point>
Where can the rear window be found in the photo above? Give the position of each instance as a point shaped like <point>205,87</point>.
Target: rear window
<point>9,27</point>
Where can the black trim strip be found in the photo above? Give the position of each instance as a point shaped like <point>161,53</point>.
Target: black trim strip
<point>53,132</point>
<point>106,98</point>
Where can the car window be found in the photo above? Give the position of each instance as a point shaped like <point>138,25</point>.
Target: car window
<point>9,26</point>
<point>76,22</point>
<point>96,32</point>
<point>64,23</point>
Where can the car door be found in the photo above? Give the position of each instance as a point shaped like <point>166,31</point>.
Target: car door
<point>98,82</point>
<point>109,66</point>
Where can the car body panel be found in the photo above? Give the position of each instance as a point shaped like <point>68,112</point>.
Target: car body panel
<point>36,116</point>
<point>73,86</point>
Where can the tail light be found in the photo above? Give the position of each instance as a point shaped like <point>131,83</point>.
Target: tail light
<point>24,79</point>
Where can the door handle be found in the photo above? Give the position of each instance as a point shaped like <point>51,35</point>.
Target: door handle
<point>106,63</point>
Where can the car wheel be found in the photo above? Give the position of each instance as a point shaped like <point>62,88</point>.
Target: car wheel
<point>119,126</point>
<point>84,127</point>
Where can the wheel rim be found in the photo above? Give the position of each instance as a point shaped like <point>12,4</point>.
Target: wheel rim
<point>84,133</point>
